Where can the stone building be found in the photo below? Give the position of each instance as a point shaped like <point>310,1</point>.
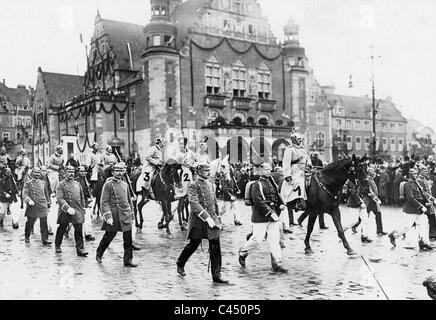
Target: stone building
<point>16,119</point>
<point>204,69</point>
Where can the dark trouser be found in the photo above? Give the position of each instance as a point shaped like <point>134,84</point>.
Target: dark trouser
<point>42,224</point>
<point>78,236</point>
<point>215,255</point>
<point>107,239</point>
<point>432,225</point>
<point>320,218</point>
<point>378,222</point>
<point>290,213</point>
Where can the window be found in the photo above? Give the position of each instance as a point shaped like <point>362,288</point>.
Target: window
<point>319,118</point>
<point>400,144</point>
<point>339,110</point>
<point>367,126</point>
<point>377,142</point>
<point>392,126</point>
<point>264,84</point>
<point>320,139</point>
<point>251,29</point>
<point>132,91</point>
<point>401,126</point>
<point>358,143</point>
<point>6,136</point>
<point>393,146</point>
<point>338,124</point>
<point>385,144</point>
<point>348,124</point>
<point>156,40</point>
<point>147,42</point>
<point>213,79</point>
<point>358,124</point>
<point>237,6</point>
<point>226,25</point>
<point>349,143</point>
<point>122,120</point>
<point>239,82</point>
<point>384,124</point>
<point>367,143</point>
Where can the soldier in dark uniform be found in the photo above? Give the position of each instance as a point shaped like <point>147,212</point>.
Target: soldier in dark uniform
<point>72,203</point>
<point>424,182</point>
<point>117,210</point>
<point>416,207</point>
<point>38,202</point>
<point>204,223</point>
<point>81,178</point>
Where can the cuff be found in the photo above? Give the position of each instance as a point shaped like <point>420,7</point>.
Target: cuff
<point>203,215</point>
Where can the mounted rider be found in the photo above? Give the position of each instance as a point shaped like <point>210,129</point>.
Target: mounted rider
<point>154,162</point>
<point>186,158</point>
<point>295,163</point>
<point>22,164</point>
<point>3,158</point>
<point>202,156</point>
<point>96,162</point>
<point>109,159</point>
<point>54,166</point>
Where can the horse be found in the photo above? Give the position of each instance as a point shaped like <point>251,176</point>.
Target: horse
<point>102,176</point>
<point>323,194</point>
<point>163,190</point>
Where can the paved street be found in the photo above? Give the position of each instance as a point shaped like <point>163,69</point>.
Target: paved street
<point>31,271</point>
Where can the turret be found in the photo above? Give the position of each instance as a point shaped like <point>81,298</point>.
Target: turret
<point>291,46</point>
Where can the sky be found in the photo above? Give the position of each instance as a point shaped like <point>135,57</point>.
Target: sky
<point>337,35</point>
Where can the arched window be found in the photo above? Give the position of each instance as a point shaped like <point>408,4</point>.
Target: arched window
<point>263,121</point>
<point>320,139</point>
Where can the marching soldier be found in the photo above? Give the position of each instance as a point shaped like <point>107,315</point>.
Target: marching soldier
<point>416,207</point>
<point>51,219</point>
<point>38,202</point>
<point>154,161</point>
<point>117,210</point>
<point>8,195</point>
<point>81,178</point>
<point>265,218</point>
<point>204,223</point>
<point>72,204</point>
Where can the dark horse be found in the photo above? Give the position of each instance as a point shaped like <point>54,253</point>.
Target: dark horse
<point>103,175</point>
<point>163,190</point>
<point>323,194</point>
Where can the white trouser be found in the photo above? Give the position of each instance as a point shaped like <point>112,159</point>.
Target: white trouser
<point>14,212</point>
<point>273,238</point>
<point>363,216</point>
<point>52,215</point>
<point>284,218</point>
<point>233,207</point>
<point>87,222</point>
<point>53,177</point>
<point>421,221</point>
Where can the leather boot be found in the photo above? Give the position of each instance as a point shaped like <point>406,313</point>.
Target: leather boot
<point>424,246</point>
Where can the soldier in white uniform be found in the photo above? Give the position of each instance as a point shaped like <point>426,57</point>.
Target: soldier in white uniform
<point>54,165</point>
<point>295,163</point>
<point>109,159</point>
<point>153,161</point>
<point>202,156</point>
<point>21,162</point>
<point>96,162</point>
<point>186,158</point>
<point>3,158</point>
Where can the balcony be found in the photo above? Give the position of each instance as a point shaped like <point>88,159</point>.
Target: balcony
<point>267,105</point>
<point>215,101</point>
<point>240,103</point>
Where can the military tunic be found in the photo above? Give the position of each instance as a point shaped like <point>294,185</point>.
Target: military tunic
<point>203,202</point>
<point>109,158</point>
<point>69,194</point>
<point>116,204</point>
<point>36,191</point>
<point>96,161</point>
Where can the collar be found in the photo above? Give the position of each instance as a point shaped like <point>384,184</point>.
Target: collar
<point>202,179</point>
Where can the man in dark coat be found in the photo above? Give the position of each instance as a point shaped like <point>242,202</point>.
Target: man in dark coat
<point>38,202</point>
<point>81,178</point>
<point>424,182</point>
<point>265,218</point>
<point>8,195</point>
<point>117,210</point>
<point>72,203</point>
<point>204,223</point>
<point>416,207</point>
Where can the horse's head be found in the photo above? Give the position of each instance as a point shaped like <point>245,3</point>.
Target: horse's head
<point>172,173</point>
<point>226,170</point>
<point>358,169</point>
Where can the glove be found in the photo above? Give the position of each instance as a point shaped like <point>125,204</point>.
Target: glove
<point>71,211</point>
<point>424,209</point>
<point>362,206</point>
<point>31,203</point>
<point>110,221</point>
<point>232,198</point>
<point>282,207</point>
<point>275,217</point>
<point>210,222</point>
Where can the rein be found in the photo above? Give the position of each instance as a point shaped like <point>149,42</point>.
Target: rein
<point>337,186</point>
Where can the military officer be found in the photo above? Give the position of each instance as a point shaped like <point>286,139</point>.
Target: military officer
<point>295,162</point>
<point>416,207</point>
<point>204,223</point>
<point>424,182</point>
<point>55,164</point>
<point>22,163</point>
<point>3,158</point>
<point>117,210</point>
<point>38,202</point>
<point>109,158</point>
<point>8,195</point>
<point>72,204</point>
<point>202,156</point>
<point>96,162</point>
<point>153,161</point>
<point>81,178</point>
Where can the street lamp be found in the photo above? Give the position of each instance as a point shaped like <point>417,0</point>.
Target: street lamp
<point>374,107</point>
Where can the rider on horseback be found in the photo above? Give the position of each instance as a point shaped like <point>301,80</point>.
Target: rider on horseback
<point>22,162</point>
<point>3,158</point>
<point>109,159</point>
<point>186,158</point>
<point>153,164</point>
<point>55,163</point>
<point>295,163</point>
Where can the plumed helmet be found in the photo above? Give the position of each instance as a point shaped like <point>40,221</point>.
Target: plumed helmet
<point>70,168</point>
<point>160,140</point>
<point>59,148</point>
<point>296,135</point>
<point>203,166</point>
<point>95,145</point>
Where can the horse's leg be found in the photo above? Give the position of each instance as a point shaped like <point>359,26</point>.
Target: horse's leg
<point>135,214</point>
<point>336,215</point>
<point>310,224</point>
<point>168,217</point>
<point>142,203</point>
<point>180,211</point>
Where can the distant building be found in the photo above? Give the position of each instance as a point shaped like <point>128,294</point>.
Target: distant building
<point>16,119</point>
<point>352,126</point>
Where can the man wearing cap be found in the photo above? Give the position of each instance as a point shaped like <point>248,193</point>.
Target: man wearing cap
<point>186,158</point>
<point>154,161</point>
<point>416,207</point>
<point>8,195</point>
<point>424,182</point>
<point>3,158</point>
<point>52,215</point>
<point>204,223</point>
<point>265,218</point>
<point>117,210</point>
<point>202,155</point>
<point>295,163</point>
<point>38,202</point>
<point>72,203</point>
<point>81,178</point>
<point>22,163</point>
<point>109,158</point>
<point>96,162</point>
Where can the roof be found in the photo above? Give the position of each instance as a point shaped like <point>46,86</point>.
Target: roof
<point>361,107</point>
<point>121,33</point>
<point>61,87</point>
<point>17,96</point>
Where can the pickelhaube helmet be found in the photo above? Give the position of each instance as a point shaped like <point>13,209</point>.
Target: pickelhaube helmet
<point>119,166</point>
<point>70,168</point>
<point>203,166</point>
<point>160,140</point>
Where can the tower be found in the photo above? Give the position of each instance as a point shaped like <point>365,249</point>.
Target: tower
<point>161,73</point>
